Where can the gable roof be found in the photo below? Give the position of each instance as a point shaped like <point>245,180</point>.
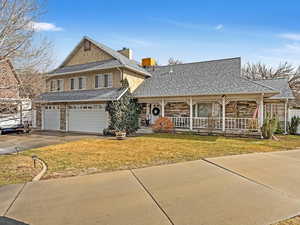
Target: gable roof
<point>215,77</point>
<point>121,60</point>
<point>280,84</point>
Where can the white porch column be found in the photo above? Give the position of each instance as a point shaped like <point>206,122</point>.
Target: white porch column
<point>223,113</point>
<point>191,113</point>
<point>261,110</point>
<point>285,115</point>
<point>162,107</point>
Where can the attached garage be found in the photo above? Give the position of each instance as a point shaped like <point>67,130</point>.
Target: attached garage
<point>90,118</point>
<point>51,117</point>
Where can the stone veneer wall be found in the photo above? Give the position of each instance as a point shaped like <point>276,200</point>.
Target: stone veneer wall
<point>240,109</point>
<point>63,112</point>
<point>177,109</point>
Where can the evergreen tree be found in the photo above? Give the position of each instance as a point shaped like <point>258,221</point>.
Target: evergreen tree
<point>124,113</point>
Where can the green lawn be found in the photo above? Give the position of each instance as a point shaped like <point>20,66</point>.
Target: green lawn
<point>98,155</point>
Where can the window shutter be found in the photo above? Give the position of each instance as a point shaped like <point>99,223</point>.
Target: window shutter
<point>110,80</point>
<point>72,84</point>
<point>96,81</point>
<point>83,82</point>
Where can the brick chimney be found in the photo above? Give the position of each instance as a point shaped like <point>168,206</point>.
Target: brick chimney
<point>126,52</point>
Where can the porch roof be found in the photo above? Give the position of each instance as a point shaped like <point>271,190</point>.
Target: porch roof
<point>280,84</point>
<point>215,77</point>
<point>107,94</point>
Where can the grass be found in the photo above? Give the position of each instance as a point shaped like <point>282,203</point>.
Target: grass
<point>292,221</point>
<point>98,155</point>
<point>16,169</point>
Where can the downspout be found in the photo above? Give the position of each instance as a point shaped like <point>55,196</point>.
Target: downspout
<point>121,72</point>
<point>285,115</point>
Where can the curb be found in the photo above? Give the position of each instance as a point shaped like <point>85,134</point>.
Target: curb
<point>41,174</point>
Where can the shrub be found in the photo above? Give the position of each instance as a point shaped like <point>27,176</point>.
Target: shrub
<point>293,125</point>
<point>269,127</point>
<point>163,124</point>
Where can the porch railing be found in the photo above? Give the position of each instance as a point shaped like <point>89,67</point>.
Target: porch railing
<point>180,122</point>
<point>215,123</point>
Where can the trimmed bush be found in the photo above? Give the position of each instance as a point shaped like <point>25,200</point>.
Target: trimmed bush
<point>163,124</point>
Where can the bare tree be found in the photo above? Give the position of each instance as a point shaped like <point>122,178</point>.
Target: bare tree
<point>262,71</point>
<point>30,54</point>
<point>173,61</point>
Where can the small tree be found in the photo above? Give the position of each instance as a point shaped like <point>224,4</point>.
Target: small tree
<point>124,113</point>
<point>293,126</point>
<point>269,127</point>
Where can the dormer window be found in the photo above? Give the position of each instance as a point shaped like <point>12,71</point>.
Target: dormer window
<point>87,45</point>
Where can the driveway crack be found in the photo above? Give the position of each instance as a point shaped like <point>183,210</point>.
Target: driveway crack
<point>151,196</point>
<point>14,200</point>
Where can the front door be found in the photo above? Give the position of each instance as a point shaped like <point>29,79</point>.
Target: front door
<point>155,112</point>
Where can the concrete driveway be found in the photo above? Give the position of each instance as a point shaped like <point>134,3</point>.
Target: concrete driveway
<point>9,142</point>
<point>236,190</point>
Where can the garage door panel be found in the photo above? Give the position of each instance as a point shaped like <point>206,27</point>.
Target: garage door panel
<point>51,119</point>
<point>88,120</point>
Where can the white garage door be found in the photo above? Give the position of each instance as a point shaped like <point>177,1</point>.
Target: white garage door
<point>51,118</point>
<point>88,118</point>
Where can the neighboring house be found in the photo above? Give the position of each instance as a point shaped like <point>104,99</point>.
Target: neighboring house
<point>209,95</point>
<point>12,104</point>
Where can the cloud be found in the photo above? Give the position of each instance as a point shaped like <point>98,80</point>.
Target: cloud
<point>219,27</point>
<point>290,36</point>
<point>44,26</point>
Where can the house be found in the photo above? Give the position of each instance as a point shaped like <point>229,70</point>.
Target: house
<point>195,96</point>
<point>13,105</point>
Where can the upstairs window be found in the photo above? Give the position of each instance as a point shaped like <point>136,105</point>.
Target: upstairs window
<point>103,81</point>
<point>87,45</point>
<point>57,85</point>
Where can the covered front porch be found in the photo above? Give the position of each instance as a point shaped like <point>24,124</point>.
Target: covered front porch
<point>219,114</point>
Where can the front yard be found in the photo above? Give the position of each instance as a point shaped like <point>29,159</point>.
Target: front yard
<point>98,155</point>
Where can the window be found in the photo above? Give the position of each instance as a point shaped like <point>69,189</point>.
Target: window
<point>87,45</point>
<point>57,85</point>
<point>103,81</point>
<point>202,110</point>
<point>72,83</point>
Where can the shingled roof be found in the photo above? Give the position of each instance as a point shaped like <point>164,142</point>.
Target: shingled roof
<point>215,77</point>
<point>280,84</point>
<point>107,94</point>
<point>118,61</point>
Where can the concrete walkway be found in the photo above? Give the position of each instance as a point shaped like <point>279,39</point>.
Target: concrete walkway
<point>235,190</point>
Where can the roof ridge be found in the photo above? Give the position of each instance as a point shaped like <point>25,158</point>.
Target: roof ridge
<point>266,86</point>
<point>213,60</point>
<point>275,78</point>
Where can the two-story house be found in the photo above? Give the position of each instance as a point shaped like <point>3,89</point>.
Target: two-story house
<point>79,88</point>
<point>195,96</point>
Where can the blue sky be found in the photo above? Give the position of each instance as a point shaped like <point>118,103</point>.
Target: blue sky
<point>256,30</point>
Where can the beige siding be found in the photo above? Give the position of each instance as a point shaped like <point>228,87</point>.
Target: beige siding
<point>133,78</point>
<point>93,55</point>
<point>90,79</point>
